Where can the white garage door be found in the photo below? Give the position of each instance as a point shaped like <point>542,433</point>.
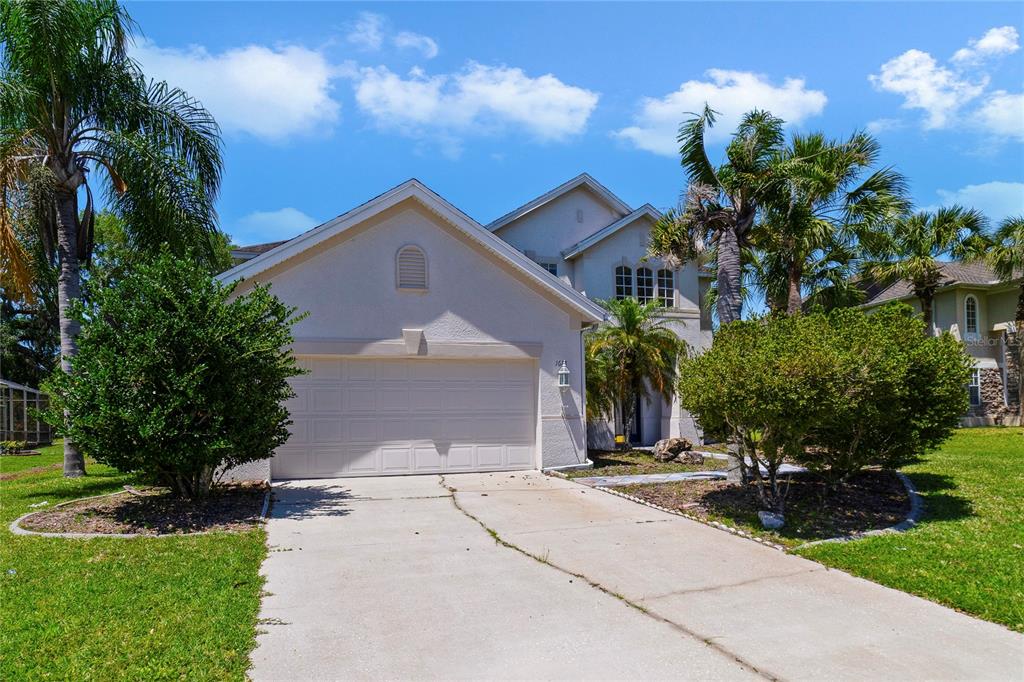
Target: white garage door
<point>405,416</point>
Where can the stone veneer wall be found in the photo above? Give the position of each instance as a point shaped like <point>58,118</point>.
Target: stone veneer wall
<point>999,406</point>
<point>1013,373</point>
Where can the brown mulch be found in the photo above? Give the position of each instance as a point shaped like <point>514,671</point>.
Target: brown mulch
<point>233,508</point>
<point>870,500</point>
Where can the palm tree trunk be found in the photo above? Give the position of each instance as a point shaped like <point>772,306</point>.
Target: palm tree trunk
<point>68,290</point>
<point>1020,352</point>
<point>926,312</point>
<point>794,300</point>
<point>730,295</point>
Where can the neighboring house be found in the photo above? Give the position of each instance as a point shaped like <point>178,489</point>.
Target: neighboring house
<point>431,346</point>
<point>436,344</point>
<point>979,310</point>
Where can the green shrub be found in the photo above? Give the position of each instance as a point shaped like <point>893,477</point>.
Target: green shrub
<point>176,379</point>
<point>835,392</point>
<point>12,446</point>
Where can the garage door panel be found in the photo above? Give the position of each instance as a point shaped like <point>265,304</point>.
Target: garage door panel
<point>361,460</point>
<point>325,399</point>
<point>520,455</point>
<point>363,417</point>
<point>327,430</point>
<point>394,459</point>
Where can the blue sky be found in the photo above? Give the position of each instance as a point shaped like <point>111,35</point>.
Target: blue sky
<point>325,105</point>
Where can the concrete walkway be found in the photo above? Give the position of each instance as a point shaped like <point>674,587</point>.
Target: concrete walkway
<point>396,578</point>
<point>645,479</point>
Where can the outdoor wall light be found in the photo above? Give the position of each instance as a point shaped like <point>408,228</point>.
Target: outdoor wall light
<point>563,375</point>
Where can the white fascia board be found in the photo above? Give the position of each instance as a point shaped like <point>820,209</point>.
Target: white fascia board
<point>413,188</point>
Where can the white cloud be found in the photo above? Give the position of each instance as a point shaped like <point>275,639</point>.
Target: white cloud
<point>1003,114</point>
<point>732,94</point>
<point>996,42</point>
<point>925,85</point>
<point>996,199</point>
<point>883,125</point>
<point>367,32</point>
<point>407,40</point>
<point>271,93</point>
<point>957,93</point>
<point>268,226</point>
<point>477,100</point>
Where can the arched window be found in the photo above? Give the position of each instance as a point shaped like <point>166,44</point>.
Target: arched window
<point>644,285</point>
<point>411,268</point>
<point>623,282</point>
<point>971,315</point>
<point>666,288</point>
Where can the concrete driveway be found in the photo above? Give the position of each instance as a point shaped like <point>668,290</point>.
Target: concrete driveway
<point>523,576</point>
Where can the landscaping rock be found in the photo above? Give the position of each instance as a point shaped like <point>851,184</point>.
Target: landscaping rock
<point>668,449</point>
<point>771,520</point>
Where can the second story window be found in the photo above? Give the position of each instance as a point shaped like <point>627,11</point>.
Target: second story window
<point>644,285</point>
<point>666,288</point>
<point>971,316</point>
<point>550,267</point>
<point>623,282</point>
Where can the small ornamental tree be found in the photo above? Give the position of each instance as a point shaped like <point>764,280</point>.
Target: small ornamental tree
<point>834,392</point>
<point>176,378</point>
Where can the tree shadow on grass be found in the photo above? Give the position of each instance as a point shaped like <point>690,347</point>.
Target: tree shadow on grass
<point>940,503</point>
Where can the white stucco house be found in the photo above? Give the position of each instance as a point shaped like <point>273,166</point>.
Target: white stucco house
<point>435,344</point>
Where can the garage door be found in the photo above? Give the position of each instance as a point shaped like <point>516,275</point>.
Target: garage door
<point>404,416</point>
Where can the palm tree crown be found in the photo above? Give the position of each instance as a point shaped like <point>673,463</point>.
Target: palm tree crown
<point>721,202</point>
<point>1006,257</point>
<point>633,351</point>
<point>75,108</point>
<point>915,245</point>
<point>823,204</point>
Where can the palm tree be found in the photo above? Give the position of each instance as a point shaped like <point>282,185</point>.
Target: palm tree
<point>816,214</point>
<point>721,202</point>
<point>1006,256</point>
<point>73,109</point>
<point>914,246</point>
<point>633,351</point>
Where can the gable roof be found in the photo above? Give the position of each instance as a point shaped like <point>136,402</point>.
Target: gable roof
<point>581,180</point>
<point>253,250</point>
<point>466,226</point>
<point>607,231</point>
<point>975,274</point>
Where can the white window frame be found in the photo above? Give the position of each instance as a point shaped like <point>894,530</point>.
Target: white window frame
<point>666,297</point>
<point>974,387</point>
<point>398,268</point>
<point>649,289</point>
<point>968,332</point>
<point>623,282</point>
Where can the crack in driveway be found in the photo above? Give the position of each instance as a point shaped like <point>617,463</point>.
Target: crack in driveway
<point>707,641</point>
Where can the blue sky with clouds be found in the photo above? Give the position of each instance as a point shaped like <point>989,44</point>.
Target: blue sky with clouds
<point>325,105</point>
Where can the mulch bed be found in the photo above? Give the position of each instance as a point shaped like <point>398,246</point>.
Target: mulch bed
<point>870,500</point>
<point>233,508</point>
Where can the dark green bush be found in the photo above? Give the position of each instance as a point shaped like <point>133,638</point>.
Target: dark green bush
<point>175,378</point>
<point>835,392</point>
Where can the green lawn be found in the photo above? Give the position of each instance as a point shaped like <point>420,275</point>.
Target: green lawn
<point>968,552</point>
<point>51,455</point>
<point>635,462</point>
<point>106,609</point>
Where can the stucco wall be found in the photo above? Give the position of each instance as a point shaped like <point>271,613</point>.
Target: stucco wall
<point>347,285</point>
<point>554,227</point>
